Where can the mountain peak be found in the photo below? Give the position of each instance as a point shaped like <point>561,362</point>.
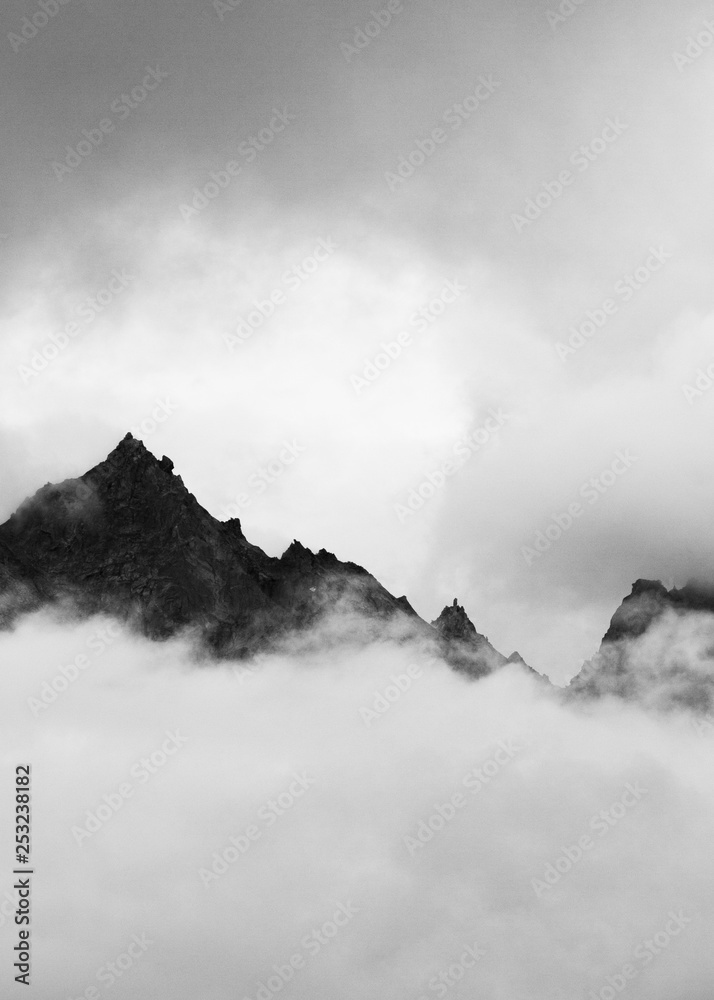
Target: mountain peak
<point>662,675</point>
<point>454,623</point>
<point>131,469</point>
<point>127,538</point>
<point>131,449</point>
<point>464,647</point>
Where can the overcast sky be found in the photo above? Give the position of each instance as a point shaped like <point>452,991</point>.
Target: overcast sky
<point>305,113</point>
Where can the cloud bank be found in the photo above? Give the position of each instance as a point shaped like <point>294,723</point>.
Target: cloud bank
<point>351,822</point>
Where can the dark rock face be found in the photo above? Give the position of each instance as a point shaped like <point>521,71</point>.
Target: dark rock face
<point>465,648</point>
<point>659,648</point>
<point>638,610</point>
<point>127,538</point>
<point>454,623</point>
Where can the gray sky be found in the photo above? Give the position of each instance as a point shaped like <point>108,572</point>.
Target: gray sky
<point>92,206</point>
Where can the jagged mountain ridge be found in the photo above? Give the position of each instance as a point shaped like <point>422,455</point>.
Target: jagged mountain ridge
<point>129,539</point>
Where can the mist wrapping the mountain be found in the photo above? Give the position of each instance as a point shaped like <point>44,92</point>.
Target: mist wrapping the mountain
<point>357,821</point>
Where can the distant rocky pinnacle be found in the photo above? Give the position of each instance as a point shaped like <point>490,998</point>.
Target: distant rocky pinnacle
<point>658,648</point>
<point>464,642</point>
<point>127,538</point>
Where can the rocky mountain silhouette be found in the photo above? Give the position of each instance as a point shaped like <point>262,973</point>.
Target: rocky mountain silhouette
<point>659,648</point>
<point>128,538</point>
<point>464,642</point>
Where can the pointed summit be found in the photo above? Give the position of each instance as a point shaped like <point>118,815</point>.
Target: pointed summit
<point>129,449</point>
<point>127,538</point>
<point>462,646</point>
<point>118,538</point>
<point>664,676</point>
<point>132,472</point>
<point>454,623</point>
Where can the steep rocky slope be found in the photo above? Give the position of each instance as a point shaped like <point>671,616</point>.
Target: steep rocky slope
<point>658,648</point>
<point>128,538</point>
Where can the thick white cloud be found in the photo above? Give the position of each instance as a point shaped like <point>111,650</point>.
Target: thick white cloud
<point>499,872</point>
